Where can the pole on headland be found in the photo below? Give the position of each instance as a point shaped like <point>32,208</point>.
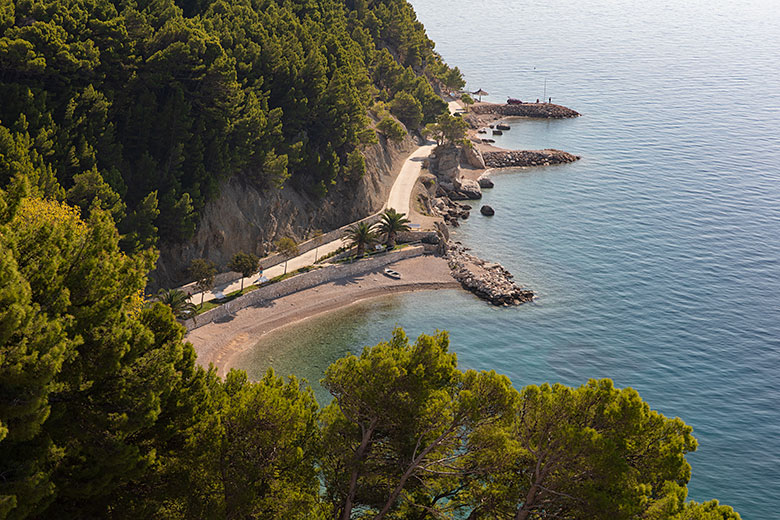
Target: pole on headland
<point>545,89</point>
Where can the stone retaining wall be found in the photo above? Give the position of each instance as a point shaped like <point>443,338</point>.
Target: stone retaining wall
<point>223,279</point>
<point>301,282</point>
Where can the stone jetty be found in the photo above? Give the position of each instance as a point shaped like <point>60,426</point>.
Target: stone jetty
<point>537,110</point>
<point>489,281</point>
<point>510,158</point>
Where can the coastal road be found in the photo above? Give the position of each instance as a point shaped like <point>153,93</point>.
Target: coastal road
<point>401,192</point>
<point>400,195</point>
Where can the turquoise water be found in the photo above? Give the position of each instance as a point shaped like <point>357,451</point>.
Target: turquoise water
<point>656,258</point>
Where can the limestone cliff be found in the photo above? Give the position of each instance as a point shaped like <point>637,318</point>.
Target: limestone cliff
<point>245,218</point>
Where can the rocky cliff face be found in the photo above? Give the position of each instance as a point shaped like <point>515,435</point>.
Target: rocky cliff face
<point>448,184</point>
<point>245,218</point>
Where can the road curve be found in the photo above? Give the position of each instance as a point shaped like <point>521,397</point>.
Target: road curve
<point>401,192</point>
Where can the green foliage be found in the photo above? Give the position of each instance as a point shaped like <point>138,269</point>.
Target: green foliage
<point>466,98</point>
<point>170,98</point>
<point>244,263</point>
<point>32,351</point>
<point>203,272</point>
<point>407,109</point>
<point>89,375</point>
<point>255,456</point>
<point>711,510</point>
<point>595,451</point>
<point>447,129</point>
<point>402,414</point>
<point>19,158</point>
<point>392,129</point>
<point>288,248</point>
<point>90,190</point>
<point>356,164</point>
<point>360,236</point>
<point>452,79</point>
<point>177,223</point>
<point>178,301</point>
<point>142,232</point>
<point>391,224</point>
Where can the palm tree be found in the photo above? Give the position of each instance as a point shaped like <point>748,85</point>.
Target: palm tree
<point>361,235</point>
<point>391,224</point>
<point>178,301</point>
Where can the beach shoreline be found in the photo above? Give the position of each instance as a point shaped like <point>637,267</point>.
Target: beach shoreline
<point>220,343</point>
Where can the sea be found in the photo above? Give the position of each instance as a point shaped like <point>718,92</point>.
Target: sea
<point>655,258</point>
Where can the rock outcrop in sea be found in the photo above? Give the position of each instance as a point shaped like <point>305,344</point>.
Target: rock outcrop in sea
<point>489,281</point>
<point>485,182</point>
<point>510,158</point>
<point>537,110</point>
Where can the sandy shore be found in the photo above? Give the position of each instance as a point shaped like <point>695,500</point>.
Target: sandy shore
<point>220,342</point>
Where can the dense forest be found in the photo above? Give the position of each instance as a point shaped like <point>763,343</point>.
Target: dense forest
<point>104,413</point>
<point>146,105</point>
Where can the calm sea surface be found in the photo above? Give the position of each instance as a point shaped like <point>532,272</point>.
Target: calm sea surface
<point>656,257</point>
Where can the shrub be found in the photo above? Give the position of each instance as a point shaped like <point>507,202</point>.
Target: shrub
<point>392,129</point>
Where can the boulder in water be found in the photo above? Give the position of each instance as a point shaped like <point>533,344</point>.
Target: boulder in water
<point>470,189</point>
<point>484,182</point>
<point>487,211</point>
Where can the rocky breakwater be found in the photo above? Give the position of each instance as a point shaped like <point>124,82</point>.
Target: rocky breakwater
<point>489,281</point>
<point>536,110</point>
<point>515,158</point>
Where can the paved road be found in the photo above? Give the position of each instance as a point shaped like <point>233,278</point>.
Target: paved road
<point>400,195</point>
<point>401,192</point>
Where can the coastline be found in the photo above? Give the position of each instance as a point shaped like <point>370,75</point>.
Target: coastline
<point>219,343</point>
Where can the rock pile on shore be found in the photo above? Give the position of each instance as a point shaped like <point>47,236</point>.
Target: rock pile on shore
<point>489,281</point>
<point>509,158</point>
<point>539,110</point>
<point>451,211</point>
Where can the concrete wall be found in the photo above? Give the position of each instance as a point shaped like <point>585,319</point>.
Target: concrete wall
<point>301,282</point>
<point>224,279</point>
